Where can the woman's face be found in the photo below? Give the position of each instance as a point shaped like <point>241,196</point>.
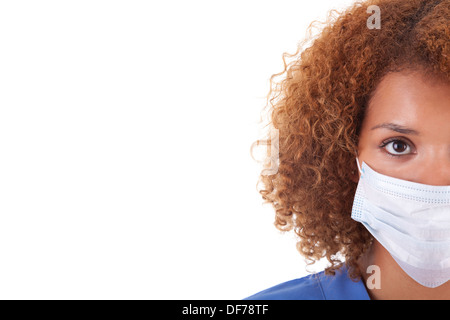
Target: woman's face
<point>406,130</point>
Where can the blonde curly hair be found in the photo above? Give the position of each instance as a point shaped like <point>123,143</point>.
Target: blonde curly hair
<point>318,105</point>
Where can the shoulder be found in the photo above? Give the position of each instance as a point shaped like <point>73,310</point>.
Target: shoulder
<point>317,286</point>
<point>307,288</point>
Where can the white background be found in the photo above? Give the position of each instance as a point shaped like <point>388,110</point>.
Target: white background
<point>125,134</point>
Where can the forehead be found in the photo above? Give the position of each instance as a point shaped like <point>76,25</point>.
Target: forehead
<point>410,99</point>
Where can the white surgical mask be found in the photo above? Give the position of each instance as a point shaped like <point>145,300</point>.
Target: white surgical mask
<point>411,220</point>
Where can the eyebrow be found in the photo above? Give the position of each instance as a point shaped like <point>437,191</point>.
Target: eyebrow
<point>396,128</point>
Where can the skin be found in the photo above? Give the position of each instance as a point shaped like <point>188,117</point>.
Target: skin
<point>411,101</point>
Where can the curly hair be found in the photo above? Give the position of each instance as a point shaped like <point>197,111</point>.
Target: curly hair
<point>318,106</point>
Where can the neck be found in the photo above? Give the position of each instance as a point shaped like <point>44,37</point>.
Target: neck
<point>394,283</point>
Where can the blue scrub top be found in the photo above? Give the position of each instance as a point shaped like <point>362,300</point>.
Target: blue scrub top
<point>316,287</point>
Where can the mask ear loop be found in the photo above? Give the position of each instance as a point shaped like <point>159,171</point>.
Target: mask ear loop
<point>359,168</point>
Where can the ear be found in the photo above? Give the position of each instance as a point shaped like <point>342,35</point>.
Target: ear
<point>354,176</point>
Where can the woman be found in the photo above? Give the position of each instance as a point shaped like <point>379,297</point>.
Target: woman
<point>363,175</point>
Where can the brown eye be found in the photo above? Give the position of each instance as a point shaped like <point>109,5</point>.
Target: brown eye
<point>397,147</point>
